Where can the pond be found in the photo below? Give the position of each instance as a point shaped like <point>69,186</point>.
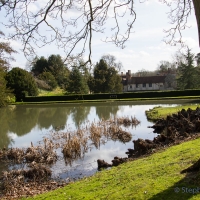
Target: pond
<point>23,125</point>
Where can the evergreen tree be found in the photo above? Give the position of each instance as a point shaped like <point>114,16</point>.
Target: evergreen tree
<point>106,78</point>
<point>77,83</point>
<point>57,68</point>
<point>187,72</point>
<point>39,65</point>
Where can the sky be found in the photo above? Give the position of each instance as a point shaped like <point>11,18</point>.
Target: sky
<point>145,47</point>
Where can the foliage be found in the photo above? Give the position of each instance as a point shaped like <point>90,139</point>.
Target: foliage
<point>49,79</point>
<point>39,65</point>
<point>197,57</point>
<point>21,82</point>
<point>5,58</point>
<point>187,72</point>
<point>5,93</point>
<point>5,54</point>
<point>165,66</point>
<point>106,78</point>
<point>42,85</point>
<point>77,83</point>
<point>56,67</point>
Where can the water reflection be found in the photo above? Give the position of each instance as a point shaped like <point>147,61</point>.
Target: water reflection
<point>21,125</point>
<point>79,114</point>
<point>106,110</point>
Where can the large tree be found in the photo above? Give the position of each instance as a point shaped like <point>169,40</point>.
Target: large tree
<point>56,67</point>
<point>77,83</point>
<point>5,57</point>
<point>106,78</point>
<point>187,72</point>
<point>39,65</point>
<point>21,82</point>
<point>89,17</point>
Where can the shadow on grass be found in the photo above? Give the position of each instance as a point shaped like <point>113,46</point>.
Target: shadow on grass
<point>184,189</point>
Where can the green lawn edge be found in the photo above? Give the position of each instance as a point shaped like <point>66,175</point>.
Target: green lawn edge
<point>154,177</point>
<point>162,112</point>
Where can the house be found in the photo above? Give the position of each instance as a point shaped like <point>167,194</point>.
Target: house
<point>159,82</point>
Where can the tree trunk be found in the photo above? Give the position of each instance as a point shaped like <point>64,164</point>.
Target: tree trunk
<point>197,13</point>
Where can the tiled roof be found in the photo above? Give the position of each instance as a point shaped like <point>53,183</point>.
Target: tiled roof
<point>148,79</point>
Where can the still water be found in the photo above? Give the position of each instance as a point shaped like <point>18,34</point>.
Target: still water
<point>22,124</point>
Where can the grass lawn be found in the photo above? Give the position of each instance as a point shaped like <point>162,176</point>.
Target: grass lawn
<point>56,92</point>
<point>155,177</point>
<point>162,112</point>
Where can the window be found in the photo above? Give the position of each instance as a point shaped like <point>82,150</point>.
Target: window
<point>136,85</point>
<point>130,86</point>
<point>150,84</point>
<point>144,84</point>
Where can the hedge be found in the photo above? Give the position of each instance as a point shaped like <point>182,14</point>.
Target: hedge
<point>127,95</point>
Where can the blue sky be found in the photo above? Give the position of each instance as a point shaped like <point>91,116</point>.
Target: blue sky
<point>145,48</point>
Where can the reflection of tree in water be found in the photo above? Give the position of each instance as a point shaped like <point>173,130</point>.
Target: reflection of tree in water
<point>23,120</point>
<point>79,114</point>
<point>5,118</point>
<point>53,116</point>
<point>105,111</point>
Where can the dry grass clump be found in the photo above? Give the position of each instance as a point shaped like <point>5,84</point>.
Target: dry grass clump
<point>35,180</point>
<point>39,154</point>
<point>74,148</point>
<point>13,154</point>
<point>126,121</point>
<point>95,134</point>
<point>116,133</point>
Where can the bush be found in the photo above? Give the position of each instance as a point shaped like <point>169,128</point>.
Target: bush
<point>21,82</point>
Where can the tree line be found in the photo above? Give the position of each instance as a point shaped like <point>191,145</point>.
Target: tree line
<point>49,73</point>
<point>76,77</point>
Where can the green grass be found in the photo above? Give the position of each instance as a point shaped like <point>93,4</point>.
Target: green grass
<point>153,177</point>
<point>56,92</point>
<point>162,112</point>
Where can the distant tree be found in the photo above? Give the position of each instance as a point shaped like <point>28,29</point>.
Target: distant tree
<point>106,78</point>
<point>56,67</point>
<point>5,57</point>
<point>49,79</point>
<point>21,82</point>
<point>165,66</point>
<point>197,57</point>
<point>77,83</point>
<point>111,62</point>
<point>100,77</point>
<point>187,72</point>
<point>91,83</point>
<point>39,65</point>
<point>5,93</point>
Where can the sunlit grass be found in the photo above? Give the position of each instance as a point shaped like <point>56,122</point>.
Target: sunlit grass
<point>56,92</point>
<point>153,177</point>
<point>162,112</point>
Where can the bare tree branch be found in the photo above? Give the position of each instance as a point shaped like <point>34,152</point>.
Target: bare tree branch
<point>71,24</point>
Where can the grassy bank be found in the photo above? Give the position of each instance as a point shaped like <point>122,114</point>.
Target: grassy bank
<point>154,177</point>
<point>162,112</point>
<point>56,92</point>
